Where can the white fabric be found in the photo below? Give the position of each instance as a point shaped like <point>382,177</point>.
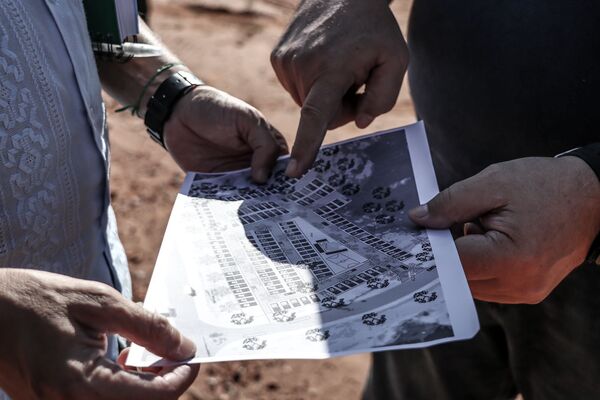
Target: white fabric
<point>55,210</point>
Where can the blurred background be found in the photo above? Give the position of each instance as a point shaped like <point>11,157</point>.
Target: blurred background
<point>227,43</point>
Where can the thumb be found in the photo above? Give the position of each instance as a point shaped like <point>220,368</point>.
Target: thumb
<point>462,202</point>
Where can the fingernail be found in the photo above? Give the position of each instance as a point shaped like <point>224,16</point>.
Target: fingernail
<point>261,175</point>
<point>292,167</point>
<point>420,212</point>
<point>364,120</point>
<point>187,348</point>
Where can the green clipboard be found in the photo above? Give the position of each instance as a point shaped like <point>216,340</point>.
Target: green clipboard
<point>111,21</point>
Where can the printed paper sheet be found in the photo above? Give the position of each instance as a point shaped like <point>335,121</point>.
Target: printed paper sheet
<point>321,266</point>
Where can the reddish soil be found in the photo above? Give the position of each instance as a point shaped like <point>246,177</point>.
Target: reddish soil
<point>227,43</point>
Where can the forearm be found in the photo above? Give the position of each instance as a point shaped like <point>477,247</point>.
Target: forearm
<point>125,81</point>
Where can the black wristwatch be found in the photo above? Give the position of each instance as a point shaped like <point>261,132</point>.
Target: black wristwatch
<point>161,104</point>
<point>591,155</point>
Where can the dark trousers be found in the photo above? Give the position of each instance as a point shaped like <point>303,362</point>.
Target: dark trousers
<point>546,351</point>
<point>144,9</point>
<point>496,81</point>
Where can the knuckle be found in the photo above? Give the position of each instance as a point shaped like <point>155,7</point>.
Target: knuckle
<point>445,198</point>
<point>101,290</point>
<point>494,172</point>
<point>381,105</point>
<point>535,296</point>
<point>388,104</point>
<point>104,295</point>
<point>276,55</point>
<point>282,57</point>
<point>311,112</point>
<point>158,326</point>
<point>298,59</point>
<point>272,148</point>
<point>536,291</point>
<point>403,56</point>
<point>254,116</point>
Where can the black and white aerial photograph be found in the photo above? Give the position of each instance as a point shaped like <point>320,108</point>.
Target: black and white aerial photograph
<point>324,265</point>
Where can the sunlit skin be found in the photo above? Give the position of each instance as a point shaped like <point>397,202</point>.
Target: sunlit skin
<point>208,130</point>
<point>529,222</point>
<point>54,328</point>
<point>54,339</point>
<point>211,131</point>
<point>329,51</point>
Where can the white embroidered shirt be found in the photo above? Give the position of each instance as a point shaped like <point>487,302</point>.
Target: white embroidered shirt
<point>55,212</point>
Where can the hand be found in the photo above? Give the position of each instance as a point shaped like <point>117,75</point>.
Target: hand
<point>529,223</point>
<point>211,131</point>
<point>330,50</point>
<point>54,337</point>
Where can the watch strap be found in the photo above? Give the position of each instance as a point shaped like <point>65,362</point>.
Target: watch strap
<point>161,104</point>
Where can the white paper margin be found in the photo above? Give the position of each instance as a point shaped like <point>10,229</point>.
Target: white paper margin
<point>452,277</point>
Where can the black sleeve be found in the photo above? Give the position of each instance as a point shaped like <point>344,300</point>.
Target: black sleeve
<point>591,155</point>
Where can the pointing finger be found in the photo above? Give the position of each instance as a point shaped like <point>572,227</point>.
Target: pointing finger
<point>319,108</point>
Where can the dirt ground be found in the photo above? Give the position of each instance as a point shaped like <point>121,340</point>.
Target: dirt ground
<point>227,43</point>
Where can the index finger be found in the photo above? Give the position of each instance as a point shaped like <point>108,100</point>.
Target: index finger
<point>485,256</point>
<point>320,107</point>
<point>107,311</point>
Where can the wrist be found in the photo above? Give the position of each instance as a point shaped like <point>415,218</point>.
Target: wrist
<point>585,182</point>
<point>590,154</point>
<point>587,187</point>
<point>150,90</point>
<point>163,101</point>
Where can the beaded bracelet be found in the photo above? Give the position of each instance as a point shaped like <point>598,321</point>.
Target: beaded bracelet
<point>135,108</point>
